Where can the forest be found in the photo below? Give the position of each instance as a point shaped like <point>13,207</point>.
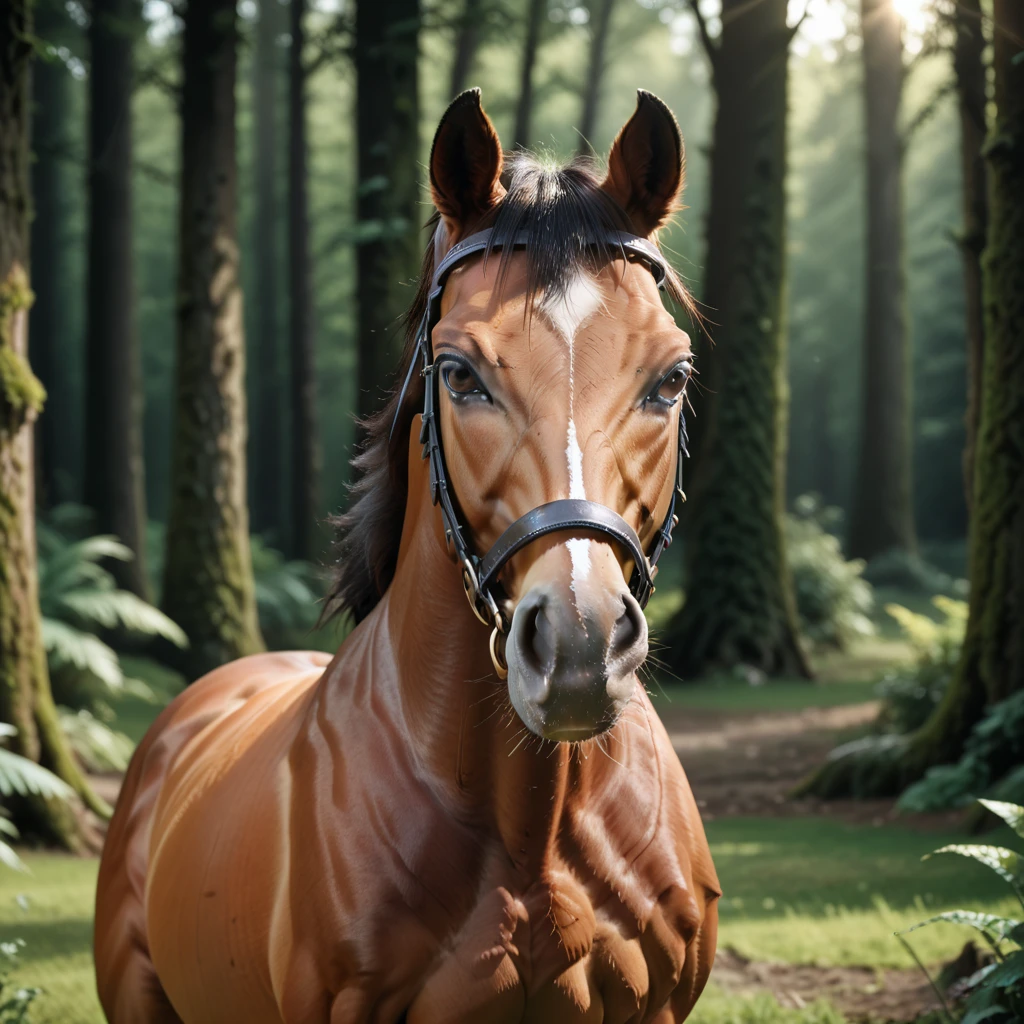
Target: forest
<point>212,221</point>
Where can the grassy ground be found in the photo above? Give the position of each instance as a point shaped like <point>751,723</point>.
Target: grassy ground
<point>796,890</point>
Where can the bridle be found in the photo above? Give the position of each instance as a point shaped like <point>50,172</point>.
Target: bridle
<point>480,575</point>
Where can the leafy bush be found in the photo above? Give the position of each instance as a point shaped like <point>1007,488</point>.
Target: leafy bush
<point>15,1001</point>
<point>904,571</point>
<point>910,694</point>
<point>286,595</point>
<point>832,598</point>
<point>991,762</point>
<point>995,993</point>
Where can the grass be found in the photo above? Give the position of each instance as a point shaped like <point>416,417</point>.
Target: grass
<point>800,890</point>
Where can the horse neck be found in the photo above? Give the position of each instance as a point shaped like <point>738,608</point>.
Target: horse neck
<point>473,748</point>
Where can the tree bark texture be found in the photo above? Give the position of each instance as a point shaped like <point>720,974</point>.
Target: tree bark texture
<point>467,41</point>
<point>600,22</point>
<point>55,189</point>
<point>969,67</point>
<point>25,698</point>
<point>267,368</point>
<point>307,539</point>
<point>740,607</point>
<point>208,582</point>
<point>882,512</point>
<point>535,12</point>
<point>114,476</point>
<point>388,198</point>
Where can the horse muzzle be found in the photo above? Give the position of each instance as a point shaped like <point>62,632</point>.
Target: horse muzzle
<point>572,664</point>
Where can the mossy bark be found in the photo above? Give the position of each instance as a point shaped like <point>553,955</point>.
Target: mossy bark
<point>25,698</point>
<point>388,192</point>
<point>991,665</point>
<point>208,581</point>
<point>882,513</point>
<point>740,607</point>
<point>467,42</point>
<point>114,483</point>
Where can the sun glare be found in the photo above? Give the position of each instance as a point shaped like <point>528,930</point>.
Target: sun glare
<point>917,16</point>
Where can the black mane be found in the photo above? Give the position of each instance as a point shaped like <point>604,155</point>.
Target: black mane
<point>562,211</point>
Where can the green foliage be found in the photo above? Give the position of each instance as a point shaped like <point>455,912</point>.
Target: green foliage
<point>99,747</point>
<point>833,600</point>
<point>910,693</point>
<point>15,1001</point>
<point>904,571</point>
<point>287,595</point>
<point>991,762</point>
<point>995,993</point>
<point>79,599</point>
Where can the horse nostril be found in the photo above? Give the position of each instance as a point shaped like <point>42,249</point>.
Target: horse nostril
<point>629,631</point>
<point>539,639</point>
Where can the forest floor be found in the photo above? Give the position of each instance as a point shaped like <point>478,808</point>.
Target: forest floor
<point>812,891</point>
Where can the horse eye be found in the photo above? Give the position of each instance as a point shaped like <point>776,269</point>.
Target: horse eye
<point>671,386</point>
<point>461,382</point>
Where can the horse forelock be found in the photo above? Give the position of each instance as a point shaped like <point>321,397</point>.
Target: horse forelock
<point>564,214</point>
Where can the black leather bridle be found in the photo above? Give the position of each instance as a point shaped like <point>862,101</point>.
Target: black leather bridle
<point>480,575</point>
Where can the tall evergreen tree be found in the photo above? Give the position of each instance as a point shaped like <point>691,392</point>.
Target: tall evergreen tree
<point>267,366</point>
<point>969,67</point>
<point>114,476</point>
<point>882,510</point>
<point>600,23</point>
<point>55,189</point>
<point>208,582</point>
<point>25,698</point>
<point>467,40</point>
<point>305,467</point>
<point>535,12</point>
<point>740,607</point>
<point>389,212</point>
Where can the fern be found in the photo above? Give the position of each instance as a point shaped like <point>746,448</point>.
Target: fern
<point>97,746</point>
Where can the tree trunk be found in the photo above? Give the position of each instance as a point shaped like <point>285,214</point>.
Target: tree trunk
<point>467,40</point>
<point>387,119</point>
<point>600,20</point>
<point>535,12</point>
<point>991,664</point>
<point>267,366</point>
<point>305,469</point>
<point>54,191</point>
<point>25,698</point>
<point>740,607</point>
<point>114,477</point>
<point>882,512</point>
<point>969,66</point>
<point>208,582</point>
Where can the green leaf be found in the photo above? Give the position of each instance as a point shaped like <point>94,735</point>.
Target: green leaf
<point>989,924</point>
<point>8,828</point>
<point>10,859</point>
<point>976,1016</point>
<point>98,746</point>
<point>111,608</point>
<point>1009,972</point>
<point>20,775</point>
<point>1005,863</point>
<point>66,645</point>
<point>1012,814</point>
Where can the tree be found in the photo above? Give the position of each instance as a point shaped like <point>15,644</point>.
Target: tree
<point>600,22</point>
<point>882,513</point>
<point>388,204</point>
<point>740,607</point>
<point>535,12</point>
<point>305,467</point>
<point>467,40</point>
<point>267,436</point>
<point>54,191</point>
<point>969,68</point>
<point>991,666</point>
<point>25,698</point>
<point>114,476</point>
<point>208,582</point>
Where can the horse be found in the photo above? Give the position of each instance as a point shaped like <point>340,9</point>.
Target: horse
<point>471,813</point>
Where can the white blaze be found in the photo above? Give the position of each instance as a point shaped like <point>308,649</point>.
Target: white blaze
<point>568,312</point>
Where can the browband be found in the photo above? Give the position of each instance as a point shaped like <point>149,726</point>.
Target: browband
<point>480,575</point>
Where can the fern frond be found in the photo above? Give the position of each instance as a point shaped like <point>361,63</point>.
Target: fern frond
<point>107,609</point>
<point>67,646</point>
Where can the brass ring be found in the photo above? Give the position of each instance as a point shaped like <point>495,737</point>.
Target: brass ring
<point>497,659</point>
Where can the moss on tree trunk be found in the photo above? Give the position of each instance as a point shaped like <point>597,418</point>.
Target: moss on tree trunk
<point>25,698</point>
<point>208,582</point>
<point>991,665</point>
<point>739,607</point>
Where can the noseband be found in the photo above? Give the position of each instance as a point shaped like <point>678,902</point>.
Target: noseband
<point>574,515</point>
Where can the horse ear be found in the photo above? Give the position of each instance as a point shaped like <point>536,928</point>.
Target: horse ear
<point>646,165</point>
<point>465,165</point>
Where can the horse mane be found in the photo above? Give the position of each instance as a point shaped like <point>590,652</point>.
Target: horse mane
<point>565,214</point>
